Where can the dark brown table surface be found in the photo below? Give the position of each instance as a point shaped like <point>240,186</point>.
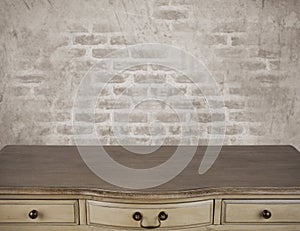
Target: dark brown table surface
<point>236,167</point>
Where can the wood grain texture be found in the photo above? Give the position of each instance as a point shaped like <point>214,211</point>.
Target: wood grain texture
<point>60,169</point>
<point>49,211</point>
<point>250,211</point>
<point>180,215</point>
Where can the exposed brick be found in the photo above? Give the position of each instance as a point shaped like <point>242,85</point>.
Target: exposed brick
<point>79,66</point>
<point>253,66</point>
<point>141,130</point>
<point>120,129</point>
<point>102,117</point>
<point>65,130</point>
<point>232,104</point>
<point>171,14</point>
<point>187,27</point>
<point>84,117</point>
<point>117,79</point>
<point>253,34</point>
<point>83,130</point>
<point>228,130</point>
<point>217,117</point>
<point>43,64</point>
<point>103,131</point>
<point>36,105</point>
<point>181,103</point>
<point>205,91</point>
<point>40,91</point>
<point>182,2</point>
<point>269,78</point>
<point>19,91</point>
<point>128,65</point>
<point>161,2</point>
<point>236,91</point>
<point>175,130</point>
<point>274,64</point>
<point>166,117</point>
<point>237,41</point>
<point>231,52</point>
<point>101,53</point>
<point>138,117</point>
<point>76,52</point>
<point>31,78</point>
<point>157,130</point>
<point>151,105</point>
<point>122,40</point>
<point>188,130</point>
<point>167,91</point>
<point>112,104</point>
<point>245,116</point>
<point>149,78</point>
<point>133,91</point>
<point>207,117</point>
<point>253,58</point>
<point>199,103</point>
<point>214,39</point>
<point>106,26</point>
<point>63,103</point>
<point>268,54</point>
<point>215,103</point>
<point>103,91</point>
<point>119,90</point>
<point>133,140</point>
<point>257,131</point>
<point>182,79</point>
<point>234,129</point>
<point>42,117</point>
<point>42,131</point>
<point>62,116</point>
<point>140,67</point>
<point>172,141</point>
<point>90,39</point>
<point>105,77</point>
<point>131,117</point>
<point>229,27</point>
<point>76,27</point>
<point>148,53</point>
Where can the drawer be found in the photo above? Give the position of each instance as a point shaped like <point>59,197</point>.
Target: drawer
<point>38,211</point>
<point>261,211</point>
<point>150,215</point>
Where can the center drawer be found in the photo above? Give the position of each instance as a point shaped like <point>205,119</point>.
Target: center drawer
<point>38,211</point>
<point>261,211</point>
<point>150,215</point>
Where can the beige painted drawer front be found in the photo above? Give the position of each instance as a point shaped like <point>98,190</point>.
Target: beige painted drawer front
<point>261,211</point>
<point>178,214</point>
<point>38,211</point>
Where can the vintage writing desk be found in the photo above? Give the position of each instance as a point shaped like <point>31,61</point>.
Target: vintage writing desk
<point>248,188</point>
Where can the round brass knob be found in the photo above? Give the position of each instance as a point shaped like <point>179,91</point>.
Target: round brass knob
<point>162,216</point>
<point>137,216</point>
<point>266,214</point>
<point>33,214</point>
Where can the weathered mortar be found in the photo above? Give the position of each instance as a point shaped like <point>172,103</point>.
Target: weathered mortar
<point>251,48</point>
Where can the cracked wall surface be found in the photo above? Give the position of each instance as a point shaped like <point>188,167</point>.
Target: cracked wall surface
<point>250,47</point>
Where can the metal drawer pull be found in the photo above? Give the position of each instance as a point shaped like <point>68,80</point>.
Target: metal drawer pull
<point>33,214</point>
<point>266,214</point>
<point>162,216</point>
<point>137,216</point>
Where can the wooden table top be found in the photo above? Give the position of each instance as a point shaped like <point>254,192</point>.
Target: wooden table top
<point>237,167</point>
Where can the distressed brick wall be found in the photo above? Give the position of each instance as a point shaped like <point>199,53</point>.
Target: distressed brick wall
<point>250,47</point>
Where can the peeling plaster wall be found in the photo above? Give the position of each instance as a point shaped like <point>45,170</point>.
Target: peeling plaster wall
<point>250,47</point>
